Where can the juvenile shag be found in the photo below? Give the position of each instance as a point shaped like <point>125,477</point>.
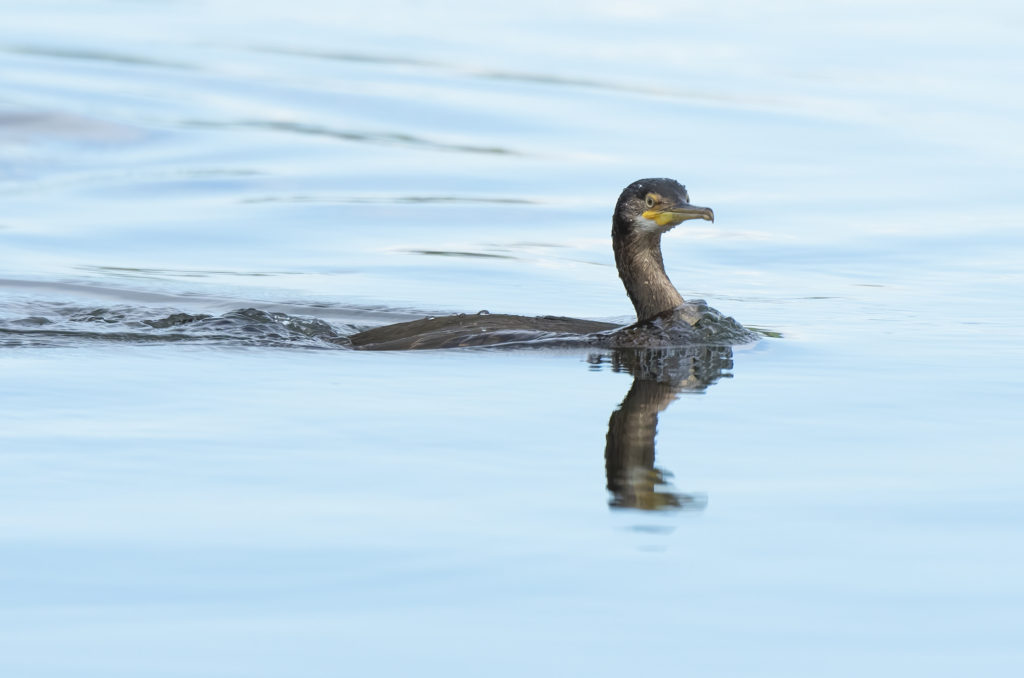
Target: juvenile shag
<point>646,209</point>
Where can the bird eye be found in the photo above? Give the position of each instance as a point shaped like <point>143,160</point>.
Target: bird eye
<point>650,200</point>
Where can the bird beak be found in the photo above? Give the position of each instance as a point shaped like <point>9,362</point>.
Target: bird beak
<point>678,213</point>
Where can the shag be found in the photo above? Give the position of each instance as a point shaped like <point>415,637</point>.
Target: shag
<point>646,210</point>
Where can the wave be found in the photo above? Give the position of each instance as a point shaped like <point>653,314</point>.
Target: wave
<point>60,324</point>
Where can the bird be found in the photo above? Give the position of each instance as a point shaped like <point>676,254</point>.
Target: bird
<point>646,210</point>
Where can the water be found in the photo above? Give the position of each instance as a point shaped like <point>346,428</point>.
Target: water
<point>202,200</point>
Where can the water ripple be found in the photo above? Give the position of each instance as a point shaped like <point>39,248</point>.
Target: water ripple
<point>58,324</point>
<point>94,55</point>
<point>357,136</point>
<point>392,200</point>
<point>526,77</point>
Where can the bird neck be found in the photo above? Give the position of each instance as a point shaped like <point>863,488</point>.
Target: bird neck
<point>638,258</point>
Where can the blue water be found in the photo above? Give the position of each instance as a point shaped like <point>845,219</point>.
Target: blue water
<point>243,495</point>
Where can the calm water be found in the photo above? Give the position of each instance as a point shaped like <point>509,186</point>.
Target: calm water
<point>200,200</point>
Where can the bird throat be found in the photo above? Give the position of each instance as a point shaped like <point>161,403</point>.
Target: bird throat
<point>638,258</point>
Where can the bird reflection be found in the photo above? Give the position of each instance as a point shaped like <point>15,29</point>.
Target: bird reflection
<point>659,376</point>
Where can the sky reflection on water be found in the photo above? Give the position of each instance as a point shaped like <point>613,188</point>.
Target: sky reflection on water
<point>235,503</point>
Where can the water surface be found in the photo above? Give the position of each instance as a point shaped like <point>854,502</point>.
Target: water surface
<point>202,200</point>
